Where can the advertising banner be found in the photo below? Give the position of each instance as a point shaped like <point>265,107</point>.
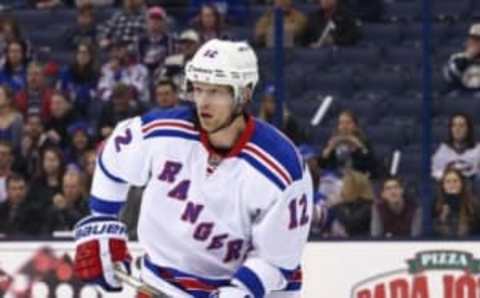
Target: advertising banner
<point>392,270</point>
<point>331,270</point>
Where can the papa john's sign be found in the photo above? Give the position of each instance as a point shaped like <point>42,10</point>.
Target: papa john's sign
<point>393,270</point>
<point>451,272</point>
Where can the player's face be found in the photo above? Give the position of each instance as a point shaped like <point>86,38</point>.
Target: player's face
<point>452,184</point>
<point>214,104</point>
<point>459,128</point>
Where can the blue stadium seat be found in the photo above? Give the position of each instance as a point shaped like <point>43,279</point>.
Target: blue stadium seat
<point>349,56</point>
<point>321,58</point>
<point>381,34</point>
<point>395,10</point>
<point>380,81</point>
<point>445,9</point>
<point>402,56</point>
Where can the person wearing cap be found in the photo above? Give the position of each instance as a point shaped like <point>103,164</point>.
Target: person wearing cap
<point>462,71</point>
<point>267,110</point>
<point>173,67</point>
<point>128,24</point>
<point>156,44</point>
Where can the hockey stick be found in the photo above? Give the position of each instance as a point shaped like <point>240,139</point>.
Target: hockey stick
<point>140,286</point>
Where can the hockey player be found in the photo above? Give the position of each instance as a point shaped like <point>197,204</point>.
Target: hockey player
<point>227,204</point>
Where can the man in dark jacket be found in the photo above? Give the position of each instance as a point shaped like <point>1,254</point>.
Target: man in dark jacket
<point>17,216</point>
<point>332,24</point>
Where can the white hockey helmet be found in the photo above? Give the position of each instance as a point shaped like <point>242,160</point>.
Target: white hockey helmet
<point>224,63</point>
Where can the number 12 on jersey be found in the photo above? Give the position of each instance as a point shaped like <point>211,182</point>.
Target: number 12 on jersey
<point>298,212</point>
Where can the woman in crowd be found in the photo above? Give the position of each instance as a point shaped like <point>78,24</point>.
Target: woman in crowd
<point>348,147</point>
<point>11,122</point>
<point>14,71</point>
<point>48,178</point>
<point>80,79</point>
<point>460,151</point>
<point>352,215</point>
<point>209,24</point>
<point>62,116</point>
<point>456,211</point>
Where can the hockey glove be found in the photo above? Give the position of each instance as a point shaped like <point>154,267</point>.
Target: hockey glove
<point>101,244</point>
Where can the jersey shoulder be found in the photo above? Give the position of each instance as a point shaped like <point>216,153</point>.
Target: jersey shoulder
<point>274,155</point>
<point>176,122</point>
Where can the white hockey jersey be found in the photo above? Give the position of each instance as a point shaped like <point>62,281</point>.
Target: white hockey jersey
<point>245,220</point>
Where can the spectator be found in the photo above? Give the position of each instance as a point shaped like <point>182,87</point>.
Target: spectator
<point>121,69</point>
<point>14,71</point>
<point>121,106</point>
<point>6,163</point>
<point>349,147</point>
<point>353,214</point>
<point>321,218</point>
<point>70,205</point>
<point>456,211</point>
<point>48,178</point>
<point>174,65</point>
<point>459,151</point>
<point>165,95</point>
<point>45,4</point>
<point>394,215</point>
<point>209,24</point>
<point>33,139</point>
<point>84,31</point>
<point>267,113</point>
<point>462,69</point>
<point>11,122</point>
<point>36,96</point>
<point>128,24</point>
<point>80,79</point>
<point>157,44</point>
<point>87,165</point>
<point>231,11</point>
<point>80,142</point>
<point>332,24</point>
<point>10,31</point>
<point>95,3</point>
<point>294,25</point>
<point>17,217</point>
<point>62,116</point>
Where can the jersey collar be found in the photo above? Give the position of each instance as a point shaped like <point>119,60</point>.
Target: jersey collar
<point>239,144</point>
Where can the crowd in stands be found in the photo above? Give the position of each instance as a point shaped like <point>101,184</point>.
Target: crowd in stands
<point>54,115</point>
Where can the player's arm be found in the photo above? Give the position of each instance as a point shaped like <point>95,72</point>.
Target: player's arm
<point>101,238</point>
<point>278,238</point>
